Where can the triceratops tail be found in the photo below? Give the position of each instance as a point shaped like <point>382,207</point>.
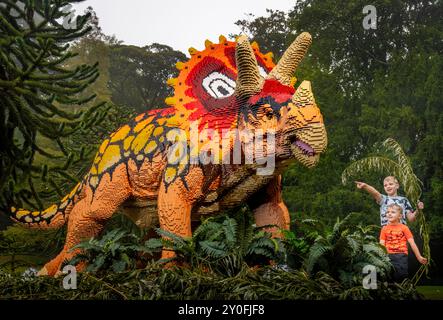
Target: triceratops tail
<point>51,218</point>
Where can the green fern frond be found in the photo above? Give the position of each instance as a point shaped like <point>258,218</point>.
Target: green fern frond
<point>346,278</point>
<point>230,230</point>
<point>175,239</point>
<point>245,234</point>
<point>340,227</point>
<point>216,234</point>
<point>214,249</point>
<point>208,226</point>
<point>353,244</point>
<point>152,244</point>
<point>374,248</point>
<point>311,222</point>
<point>317,251</point>
<point>262,243</point>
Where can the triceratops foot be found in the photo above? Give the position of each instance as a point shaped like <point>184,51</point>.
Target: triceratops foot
<point>52,268</point>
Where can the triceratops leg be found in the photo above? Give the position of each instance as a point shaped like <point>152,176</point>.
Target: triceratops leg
<point>272,211</point>
<point>175,204</point>
<point>89,215</point>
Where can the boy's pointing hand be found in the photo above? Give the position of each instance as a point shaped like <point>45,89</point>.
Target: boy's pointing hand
<point>359,184</point>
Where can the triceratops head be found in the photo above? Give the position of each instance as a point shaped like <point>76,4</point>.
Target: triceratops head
<point>272,103</point>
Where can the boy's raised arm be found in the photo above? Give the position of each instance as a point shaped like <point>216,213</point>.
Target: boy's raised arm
<point>370,189</point>
<point>412,215</point>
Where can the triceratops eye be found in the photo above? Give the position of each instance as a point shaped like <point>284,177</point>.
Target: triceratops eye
<point>262,71</point>
<point>218,85</point>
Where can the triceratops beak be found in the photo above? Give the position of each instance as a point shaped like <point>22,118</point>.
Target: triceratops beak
<point>287,65</point>
<point>249,80</point>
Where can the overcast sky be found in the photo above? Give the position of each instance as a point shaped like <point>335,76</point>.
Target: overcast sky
<point>178,23</point>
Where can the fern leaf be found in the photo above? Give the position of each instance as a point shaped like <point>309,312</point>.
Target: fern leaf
<point>176,239</point>
<point>230,230</point>
<point>213,249</point>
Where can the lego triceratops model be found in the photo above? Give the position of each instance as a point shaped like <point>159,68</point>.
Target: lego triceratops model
<point>172,165</point>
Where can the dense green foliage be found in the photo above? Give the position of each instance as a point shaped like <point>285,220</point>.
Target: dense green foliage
<point>344,251</point>
<point>34,84</point>
<point>51,127</point>
<point>138,75</point>
<point>222,244</point>
<point>225,243</point>
<point>114,251</point>
<point>156,283</point>
<point>22,248</point>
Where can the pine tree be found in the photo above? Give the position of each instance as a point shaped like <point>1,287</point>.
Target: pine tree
<point>40,96</point>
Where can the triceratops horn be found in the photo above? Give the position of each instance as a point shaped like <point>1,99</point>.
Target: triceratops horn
<point>249,80</point>
<point>287,65</point>
<point>303,96</point>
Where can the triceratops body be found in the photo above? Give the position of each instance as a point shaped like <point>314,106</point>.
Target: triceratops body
<point>225,87</point>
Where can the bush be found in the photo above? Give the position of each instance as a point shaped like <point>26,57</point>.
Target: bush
<point>157,283</point>
<point>343,253</point>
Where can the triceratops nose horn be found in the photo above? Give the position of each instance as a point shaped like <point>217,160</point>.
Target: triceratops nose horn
<point>249,81</point>
<point>304,95</point>
<point>287,65</point>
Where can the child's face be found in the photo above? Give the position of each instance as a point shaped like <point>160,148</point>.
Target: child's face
<point>393,214</point>
<point>391,187</point>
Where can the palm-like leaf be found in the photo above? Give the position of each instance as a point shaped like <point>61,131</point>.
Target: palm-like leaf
<point>373,163</point>
<point>411,184</point>
<point>391,161</point>
<point>353,244</point>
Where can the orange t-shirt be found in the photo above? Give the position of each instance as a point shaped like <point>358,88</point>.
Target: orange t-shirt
<point>396,238</point>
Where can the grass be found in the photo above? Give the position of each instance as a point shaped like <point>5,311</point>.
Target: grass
<point>431,292</point>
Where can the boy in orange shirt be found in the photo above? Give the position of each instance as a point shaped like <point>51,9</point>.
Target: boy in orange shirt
<point>395,236</point>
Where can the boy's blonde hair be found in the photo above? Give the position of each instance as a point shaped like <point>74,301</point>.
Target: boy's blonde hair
<point>394,205</point>
<point>391,178</point>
